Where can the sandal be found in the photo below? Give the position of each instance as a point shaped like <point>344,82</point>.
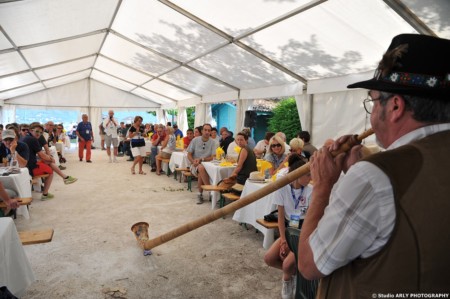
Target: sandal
<point>158,173</point>
<point>132,171</point>
<point>143,173</point>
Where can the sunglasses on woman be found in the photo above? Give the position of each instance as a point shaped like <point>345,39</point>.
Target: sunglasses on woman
<point>275,145</point>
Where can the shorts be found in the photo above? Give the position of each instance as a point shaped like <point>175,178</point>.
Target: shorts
<point>42,168</point>
<point>109,139</point>
<point>138,151</point>
<point>165,155</point>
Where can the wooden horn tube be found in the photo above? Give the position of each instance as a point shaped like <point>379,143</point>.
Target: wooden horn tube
<point>246,200</point>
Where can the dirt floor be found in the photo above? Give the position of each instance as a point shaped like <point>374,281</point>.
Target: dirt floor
<point>95,255</point>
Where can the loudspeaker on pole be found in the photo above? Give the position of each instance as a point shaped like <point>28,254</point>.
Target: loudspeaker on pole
<point>250,119</point>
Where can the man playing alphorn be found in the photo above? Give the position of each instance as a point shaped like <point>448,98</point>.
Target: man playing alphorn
<point>384,227</point>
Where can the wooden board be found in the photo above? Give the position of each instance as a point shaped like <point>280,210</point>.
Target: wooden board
<point>267,224</point>
<point>36,237</point>
<point>22,201</point>
<point>214,188</point>
<point>231,196</point>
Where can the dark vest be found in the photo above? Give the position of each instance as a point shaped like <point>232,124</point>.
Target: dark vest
<point>417,255</point>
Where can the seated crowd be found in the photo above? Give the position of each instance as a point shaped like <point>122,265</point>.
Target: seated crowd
<point>34,146</point>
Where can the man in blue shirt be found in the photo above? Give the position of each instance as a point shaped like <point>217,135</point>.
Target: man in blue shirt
<point>85,138</point>
<point>177,132</point>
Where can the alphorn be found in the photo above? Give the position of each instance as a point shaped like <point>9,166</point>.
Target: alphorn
<point>243,201</point>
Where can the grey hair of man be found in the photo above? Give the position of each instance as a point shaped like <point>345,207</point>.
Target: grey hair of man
<point>282,135</point>
<point>433,110</point>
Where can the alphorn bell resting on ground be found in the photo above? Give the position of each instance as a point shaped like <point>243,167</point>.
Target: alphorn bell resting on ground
<point>384,227</point>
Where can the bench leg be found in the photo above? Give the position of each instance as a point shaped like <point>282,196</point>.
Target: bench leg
<point>190,183</point>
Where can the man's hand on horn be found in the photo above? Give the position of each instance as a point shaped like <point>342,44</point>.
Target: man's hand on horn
<point>352,156</point>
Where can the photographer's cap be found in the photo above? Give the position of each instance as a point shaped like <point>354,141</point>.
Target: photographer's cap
<point>8,134</point>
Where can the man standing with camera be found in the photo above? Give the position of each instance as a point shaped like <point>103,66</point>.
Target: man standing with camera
<point>111,125</point>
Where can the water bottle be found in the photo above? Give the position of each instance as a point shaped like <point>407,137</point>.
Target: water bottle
<point>14,164</point>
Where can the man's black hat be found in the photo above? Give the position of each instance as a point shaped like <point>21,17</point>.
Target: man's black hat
<point>414,65</point>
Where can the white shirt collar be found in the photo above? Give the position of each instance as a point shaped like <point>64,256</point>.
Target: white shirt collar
<point>419,134</point>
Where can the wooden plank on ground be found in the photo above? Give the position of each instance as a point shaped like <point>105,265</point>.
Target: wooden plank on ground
<point>36,237</point>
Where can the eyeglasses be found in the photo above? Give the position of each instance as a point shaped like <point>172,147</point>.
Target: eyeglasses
<point>275,145</point>
<point>368,103</point>
<point>59,128</point>
<point>37,132</point>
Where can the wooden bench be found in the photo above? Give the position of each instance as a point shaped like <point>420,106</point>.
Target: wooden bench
<point>266,224</point>
<point>36,181</point>
<point>214,188</point>
<point>22,201</point>
<point>179,170</point>
<point>164,160</point>
<point>188,175</point>
<point>227,196</point>
<point>36,237</point>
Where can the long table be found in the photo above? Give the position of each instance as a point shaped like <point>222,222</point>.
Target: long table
<point>21,183</point>
<point>256,210</point>
<point>216,174</point>
<point>15,269</point>
<point>178,159</point>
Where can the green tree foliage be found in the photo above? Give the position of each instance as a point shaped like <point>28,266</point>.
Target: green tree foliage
<point>190,111</point>
<point>285,119</point>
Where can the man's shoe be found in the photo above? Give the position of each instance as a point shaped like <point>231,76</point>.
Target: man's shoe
<point>70,180</point>
<point>153,170</point>
<point>62,167</point>
<point>47,196</point>
<point>89,161</point>
<point>199,199</point>
<point>286,289</point>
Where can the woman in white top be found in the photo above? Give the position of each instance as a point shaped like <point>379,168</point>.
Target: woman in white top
<point>293,201</point>
<point>167,147</point>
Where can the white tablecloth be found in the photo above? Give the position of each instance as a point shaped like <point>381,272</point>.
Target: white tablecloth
<point>256,210</point>
<point>178,159</point>
<point>15,269</point>
<point>216,174</point>
<point>21,183</point>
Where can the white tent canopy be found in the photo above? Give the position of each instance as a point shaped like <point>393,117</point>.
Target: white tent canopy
<point>97,54</point>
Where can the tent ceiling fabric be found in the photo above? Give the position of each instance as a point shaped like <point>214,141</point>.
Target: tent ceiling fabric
<point>183,51</point>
